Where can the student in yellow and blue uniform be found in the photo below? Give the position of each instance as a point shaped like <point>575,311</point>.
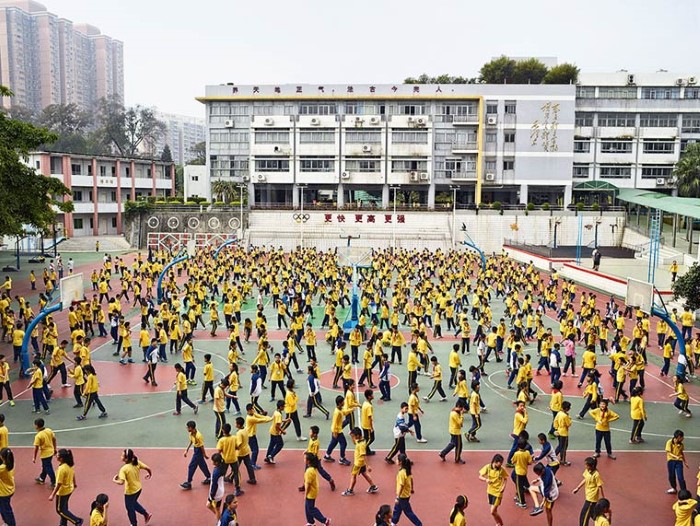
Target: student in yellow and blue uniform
<point>404,489</point>
<point>7,485</point>
<point>36,383</point>
<point>64,487</point>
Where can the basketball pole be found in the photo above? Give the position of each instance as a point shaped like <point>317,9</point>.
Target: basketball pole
<point>174,262</point>
<point>24,355</point>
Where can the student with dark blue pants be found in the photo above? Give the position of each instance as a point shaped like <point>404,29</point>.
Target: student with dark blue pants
<point>198,456</point>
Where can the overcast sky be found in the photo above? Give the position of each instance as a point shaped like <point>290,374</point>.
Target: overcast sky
<point>173,48</point>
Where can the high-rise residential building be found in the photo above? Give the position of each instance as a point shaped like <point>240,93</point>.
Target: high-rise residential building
<point>45,59</point>
<point>350,143</point>
<point>181,134</point>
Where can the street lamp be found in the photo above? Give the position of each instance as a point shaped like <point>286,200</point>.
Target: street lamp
<point>454,188</point>
<point>301,215</point>
<point>241,186</point>
<point>393,230</point>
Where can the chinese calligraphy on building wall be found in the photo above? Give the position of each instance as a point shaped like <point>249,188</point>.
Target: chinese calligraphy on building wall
<point>544,131</point>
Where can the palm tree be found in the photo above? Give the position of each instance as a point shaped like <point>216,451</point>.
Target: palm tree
<point>220,189</point>
<point>230,191</point>
<point>687,172</point>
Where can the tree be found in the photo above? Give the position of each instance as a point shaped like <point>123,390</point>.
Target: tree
<point>27,197</point>
<point>687,287</point>
<point>529,71</point>
<point>562,74</point>
<point>440,79</point>
<point>688,172</point>
<point>198,154</point>
<point>22,113</point>
<point>125,129</point>
<point>70,124</point>
<point>166,155</point>
<point>499,71</point>
<point>179,180</point>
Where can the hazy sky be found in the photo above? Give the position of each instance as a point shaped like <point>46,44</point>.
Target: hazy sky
<point>173,48</point>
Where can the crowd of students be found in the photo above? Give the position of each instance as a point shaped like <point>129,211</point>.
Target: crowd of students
<point>406,300</point>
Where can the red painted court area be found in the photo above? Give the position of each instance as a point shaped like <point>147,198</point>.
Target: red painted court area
<point>638,497</point>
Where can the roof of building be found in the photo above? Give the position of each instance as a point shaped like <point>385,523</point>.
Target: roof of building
<point>684,206</point>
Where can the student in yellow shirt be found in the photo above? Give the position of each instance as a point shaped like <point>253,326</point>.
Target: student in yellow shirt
<point>208,383</point>
<point>455,431</point>
<point>603,416</point>
<point>312,513</point>
<point>199,455</point>
<point>181,391</point>
<point>404,489</point>
<point>90,393</point>
<point>359,466</point>
<point>593,488</point>
<point>65,485</point>
<point>276,431</point>
<point>45,447</point>
<point>7,485</point>
<point>496,479</point>
<point>129,476</point>
<point>675,460</point>
<point>685,509</point>
<point>682,398</point>
<point>457,517</point>
<point>638,414</point>
<point>100,509</point>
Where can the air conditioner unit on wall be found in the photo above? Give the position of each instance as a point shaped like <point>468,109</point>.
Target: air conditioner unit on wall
<point>261,177</point>
<point>413,176</point>
<point>246,178</point>
<point>660,181</point>
<point>421,122</point>
<point>424,176</point>
<point>315,122</point>
<point>345,175</point>
<point>229,124</point>
<point>490,176</point>
<point>269,122</point>
<point>692,80</point>
<point>630,79</point>
<point>375,120</point>
<point>367,148</point>
<point>491,120</point>
<point>679,82</point>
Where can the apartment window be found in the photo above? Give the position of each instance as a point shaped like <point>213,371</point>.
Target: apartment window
<point>75,169</point>
<point>491,108</point>
<point>691,123</point>
<point>490,166</point>
<point>582,146</point>
<point>195,178</point>
<point>317,136</point>
<point>509,137</point>
<point>127,171</point>
<point>271,165</point>
<point>617,92</point>
<point>443,137</point>
<point>78,223</point>
<point>616,171</point>
<point>409,165</point>
<point>361,108</point>
<point>616,146</point>
<point>616,120</point>
<point>692,93</point>
<point>510,107</point>
<point>661,93</point>
<point>457,109</point>
<point>148,172</point>
<point>659,146</point>
<point>652,171</point>
<point>658,120</point>
<point>318,108</point>
<point>272,137</point>
<point>490,138</point>
<point>316,165</point>
<point>363,165</point>
<point>581,171</point>
<point>408,109</point>
<point>77,195</point>
<point>228,136</point>
<point>584,119</point>
<point>508,165</point>
<point>114,222</point>
<point>585,92</point>
<point>409,137</point>
<point>103,171</point>
<point>363,137</point>
<point>113,197</point>
<point>89,167</point>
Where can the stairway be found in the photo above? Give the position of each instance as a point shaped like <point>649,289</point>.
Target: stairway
<point>87,244</point>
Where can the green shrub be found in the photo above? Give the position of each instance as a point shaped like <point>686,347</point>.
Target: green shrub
<point>177,200</point>
<point>530,206</point>
<point>150,199</point>
<point>545,206</point>
<point>191,203</point>
<point>496,205</point>
<point>161,202</point>
<point>580,206</point>
<point>219,203</point>
<point>204,203</point>
<point>595,207</point>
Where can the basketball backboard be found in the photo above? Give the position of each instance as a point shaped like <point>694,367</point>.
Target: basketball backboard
<point>640,294</point>
<point>352,256</point>
<point>191,248</point>
<point>72,290</point>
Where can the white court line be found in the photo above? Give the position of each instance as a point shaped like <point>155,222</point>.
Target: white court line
<point>97,426</point>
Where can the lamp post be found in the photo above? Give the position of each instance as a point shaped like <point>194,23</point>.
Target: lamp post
<point>393,229</point>
<point>301,215</point>
<point>454,188</point>
<point>241,186</point>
